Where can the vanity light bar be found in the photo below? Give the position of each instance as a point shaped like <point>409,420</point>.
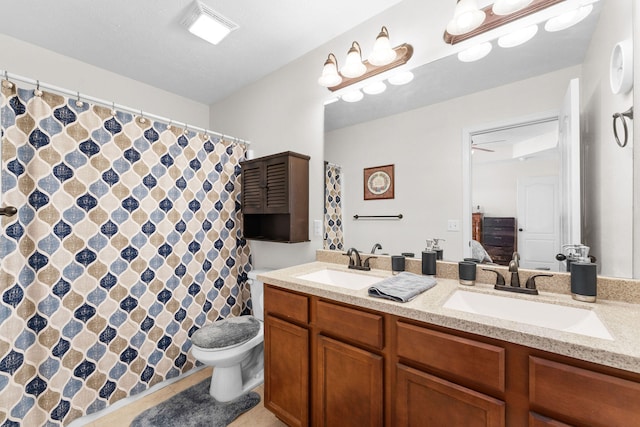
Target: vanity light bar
<point>493,21</point>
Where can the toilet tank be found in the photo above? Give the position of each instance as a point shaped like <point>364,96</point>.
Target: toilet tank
<point>257,292</point>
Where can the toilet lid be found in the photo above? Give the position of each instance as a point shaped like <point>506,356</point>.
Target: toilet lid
<point>226,332</point>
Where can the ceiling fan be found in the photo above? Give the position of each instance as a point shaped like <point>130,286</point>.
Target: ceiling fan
<point>477,147</point>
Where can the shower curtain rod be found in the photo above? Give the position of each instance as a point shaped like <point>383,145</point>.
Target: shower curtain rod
<point>10,76</point>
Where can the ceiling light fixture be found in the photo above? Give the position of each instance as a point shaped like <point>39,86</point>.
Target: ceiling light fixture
<point>382,53</point>
<point>467,17</point>
<point>500,13</point>
<point>383,58</point>
<point>353,66</point>
<point>208,24</point>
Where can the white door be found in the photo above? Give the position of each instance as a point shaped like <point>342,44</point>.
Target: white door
<point>569,144</point>
<point>538,222</point>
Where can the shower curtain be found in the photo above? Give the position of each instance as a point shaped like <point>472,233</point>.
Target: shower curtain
<point>333,235</point>
<point>126,241</point>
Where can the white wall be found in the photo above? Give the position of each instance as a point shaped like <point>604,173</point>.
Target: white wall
<point>607,168</point>
<point>425,145</point>
<point>495,184</point>
<point>284,111</point>
<point>34,62</point>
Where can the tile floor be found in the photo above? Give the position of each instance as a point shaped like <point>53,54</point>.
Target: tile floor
<point>256,417</point>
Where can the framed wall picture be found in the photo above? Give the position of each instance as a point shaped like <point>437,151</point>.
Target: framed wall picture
<point>378,183</point>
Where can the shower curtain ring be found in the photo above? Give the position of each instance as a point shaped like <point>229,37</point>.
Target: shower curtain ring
<point>37,91</point>
<point>79,103</point>
<point>6,83</point>
<point>169,125</point>
<point>113,108</point>
<point>142,119</point>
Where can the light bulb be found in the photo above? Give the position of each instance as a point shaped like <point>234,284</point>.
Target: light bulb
<point>330,76</point>
<point>382,53</point>
<point>466,18</point>
<point>353,66</point>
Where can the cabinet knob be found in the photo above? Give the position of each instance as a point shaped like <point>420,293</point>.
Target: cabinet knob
<point>520,229</point>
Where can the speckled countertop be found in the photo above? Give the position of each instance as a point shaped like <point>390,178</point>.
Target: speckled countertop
<point>621,319</point>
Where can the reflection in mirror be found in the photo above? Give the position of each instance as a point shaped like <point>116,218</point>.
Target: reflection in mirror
<point>420,128</point>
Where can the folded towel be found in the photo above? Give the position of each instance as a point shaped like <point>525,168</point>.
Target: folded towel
<point>403,287</point>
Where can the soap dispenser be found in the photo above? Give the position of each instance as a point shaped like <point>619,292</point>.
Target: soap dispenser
<point>429,259</point>
<point>437,249</point>
<point>583,275</point>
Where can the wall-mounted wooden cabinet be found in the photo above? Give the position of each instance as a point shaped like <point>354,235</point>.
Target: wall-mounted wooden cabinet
<point>275,198</point>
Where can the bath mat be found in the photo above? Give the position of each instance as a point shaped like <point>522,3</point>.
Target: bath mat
<point>194,407</point>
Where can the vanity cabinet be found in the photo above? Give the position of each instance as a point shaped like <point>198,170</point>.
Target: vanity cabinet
<point>286,356</point>
<point>275,197</point>
<point>328,363</point>
<point>476,226</point>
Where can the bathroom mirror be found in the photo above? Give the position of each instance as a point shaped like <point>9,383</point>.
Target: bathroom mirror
<point>419,128</point>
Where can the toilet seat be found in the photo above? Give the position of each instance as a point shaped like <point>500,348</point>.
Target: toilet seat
<point>226,333</point>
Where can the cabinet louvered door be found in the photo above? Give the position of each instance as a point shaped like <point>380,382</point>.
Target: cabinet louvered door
<point>252,189</point>
<point>277,189</point>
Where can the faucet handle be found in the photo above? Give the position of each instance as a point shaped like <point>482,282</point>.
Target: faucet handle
<point>499,278</point>
<point>531,281</point>
<point>365,262</point>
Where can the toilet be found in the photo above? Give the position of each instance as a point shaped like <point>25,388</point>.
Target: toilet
<point>235,348</point>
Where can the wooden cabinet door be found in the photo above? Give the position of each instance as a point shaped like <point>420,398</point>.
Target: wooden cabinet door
<point>253,188</point>
<point>425,400</point>
<point>349,386</point>
<point>276,179</point>
<point>286,363</point>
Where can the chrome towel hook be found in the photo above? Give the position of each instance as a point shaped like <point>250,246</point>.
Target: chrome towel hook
<point>621,116</point>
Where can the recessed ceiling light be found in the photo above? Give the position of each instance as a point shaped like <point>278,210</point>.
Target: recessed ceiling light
<point>401,78</point>
<point>208,24</point>
<point>475,53</point>
<point>518,37</point>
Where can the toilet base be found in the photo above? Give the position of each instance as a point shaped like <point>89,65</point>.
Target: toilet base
<point>228,383</point>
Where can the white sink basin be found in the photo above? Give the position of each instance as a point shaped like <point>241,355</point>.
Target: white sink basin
<point>559,317</point>
<point>343,279</point>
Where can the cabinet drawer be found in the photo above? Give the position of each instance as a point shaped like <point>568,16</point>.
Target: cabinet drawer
<point>493,221</point>
<point>582,396</point>
<point>286,304</point>
<point>473,361</point>
<point>352,324</point>
<point>498,239</point>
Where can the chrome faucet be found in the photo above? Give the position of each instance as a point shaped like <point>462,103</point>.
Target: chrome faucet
<point>356,262</point>
<point>376,246</point>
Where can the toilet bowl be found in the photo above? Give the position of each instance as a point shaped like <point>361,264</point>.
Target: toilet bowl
<point>235,348</point>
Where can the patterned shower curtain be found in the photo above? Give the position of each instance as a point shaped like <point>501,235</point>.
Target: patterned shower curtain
<point>126,241</point>
<point>333,235</point>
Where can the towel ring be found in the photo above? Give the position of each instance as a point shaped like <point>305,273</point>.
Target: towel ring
<point>621,116</point>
